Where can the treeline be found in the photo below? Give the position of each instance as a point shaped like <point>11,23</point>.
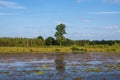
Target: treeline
<point>50,41</point>
<point>59,40</point>
<point>98,42</point>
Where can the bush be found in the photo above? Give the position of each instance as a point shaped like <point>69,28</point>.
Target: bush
<point>31,50</point>
<point>83,49</point>
<point>57,50</point>
<point>111,49</point>
<point>75,49</point>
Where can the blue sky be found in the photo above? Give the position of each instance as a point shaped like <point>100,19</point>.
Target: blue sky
<point>84,19</point>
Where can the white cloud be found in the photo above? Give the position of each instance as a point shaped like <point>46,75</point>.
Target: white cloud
<point>87,35</point>
<point>2,13</point>
<point>7,13</point>
<point>86,21</point>
<point>118,31</point>
<point>60,22</point>
<point>66,23</point>
<point>9,4</point>
<point>83,34</point>
<point>105,12</point>
<point>114,27</point>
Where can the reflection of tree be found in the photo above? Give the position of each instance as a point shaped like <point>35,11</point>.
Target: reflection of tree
<point>60,65</point>
<point>80,78</point>
<point>104,78</point>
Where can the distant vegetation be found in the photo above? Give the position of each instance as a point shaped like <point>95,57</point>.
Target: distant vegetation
<point>50,41</point>
<point>60,40</point>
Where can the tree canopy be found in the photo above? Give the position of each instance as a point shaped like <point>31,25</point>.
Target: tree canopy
<point>50,41</point>
<point>60,33</point>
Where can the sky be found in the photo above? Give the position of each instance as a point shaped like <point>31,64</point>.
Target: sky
<point>84,19</point>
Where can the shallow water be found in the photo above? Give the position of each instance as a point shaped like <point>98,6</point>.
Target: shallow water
<point>87,66</point>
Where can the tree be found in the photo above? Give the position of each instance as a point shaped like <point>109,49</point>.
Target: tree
<point>50,41</point>
<point>59,34</point>
<point>40,37</point>
<point>68,42</point>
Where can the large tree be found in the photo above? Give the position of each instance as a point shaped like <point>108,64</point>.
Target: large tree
<point>60,33</point>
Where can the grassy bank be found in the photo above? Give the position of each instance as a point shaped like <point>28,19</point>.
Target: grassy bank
<point>34,49</point>
<point>54,49</point>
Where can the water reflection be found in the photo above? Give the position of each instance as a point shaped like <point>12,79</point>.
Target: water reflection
<point>60,64</point>
<point>60,67</point>
<point>80,78</point>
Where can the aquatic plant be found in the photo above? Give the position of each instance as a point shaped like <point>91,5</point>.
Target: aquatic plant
<point>118,66</point>
<point>110,66</point>
<point>45,67</point>
<point>93,70</point>
<point>40,72</point>
<point>113,66</point>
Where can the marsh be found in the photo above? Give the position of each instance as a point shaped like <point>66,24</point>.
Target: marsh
<point>86,66</point>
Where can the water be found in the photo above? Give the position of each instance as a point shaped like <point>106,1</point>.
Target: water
<point>87,66</point>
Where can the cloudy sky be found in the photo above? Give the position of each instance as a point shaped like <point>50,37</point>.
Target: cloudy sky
<point>84,19</point>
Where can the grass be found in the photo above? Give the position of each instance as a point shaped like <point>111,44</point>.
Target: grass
<point>34,49</point>
<point>54,49</point>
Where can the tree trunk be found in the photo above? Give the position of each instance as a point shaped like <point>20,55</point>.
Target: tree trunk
<point>60,44</point>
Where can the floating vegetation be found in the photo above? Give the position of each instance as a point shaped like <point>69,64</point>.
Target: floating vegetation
<point>93,70</point>
<point>40,72</point>
<point>118,66</point>
<point>45,67</point>
<point>111,66</point>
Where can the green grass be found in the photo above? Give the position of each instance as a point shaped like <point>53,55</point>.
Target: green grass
<point>34,49</point>
<point>54,49</point>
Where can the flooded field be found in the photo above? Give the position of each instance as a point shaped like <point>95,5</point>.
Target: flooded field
<point>87,66</point>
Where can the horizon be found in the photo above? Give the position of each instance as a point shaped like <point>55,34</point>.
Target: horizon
<point>84,19</point>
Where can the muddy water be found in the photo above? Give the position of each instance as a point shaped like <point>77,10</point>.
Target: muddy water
<point>87,66</point>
